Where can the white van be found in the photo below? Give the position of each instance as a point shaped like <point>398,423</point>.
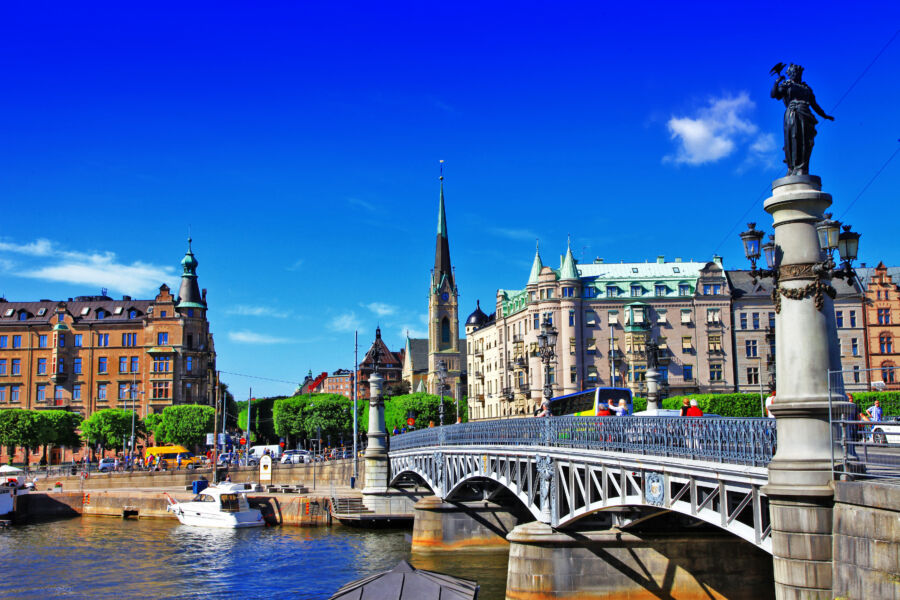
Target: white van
<point>257,451</point>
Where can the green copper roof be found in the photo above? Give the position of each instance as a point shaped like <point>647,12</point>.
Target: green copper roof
<point>442,218</point>
<point>568,270</point>
<point>535,267</point>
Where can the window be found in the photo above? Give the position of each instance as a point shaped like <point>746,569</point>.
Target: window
<point>13,393</point>
<point>190,340</point>
<point>132,314</point>
<point>855,373</point>
<point>77,342</point>
<point>134,364</point>
<point>685,316</point>
<point>23,316</point>
<point>661,316</point>
<point>551,374</point>
<point>58,392</point>
<point>751,349</point>
<point>712,289</point>
<point>571,345</point>
<point>123,391</point>
<point>743,320</point>
<point>42,341</point>
<point>189,364</point>
<point>660,290</point>
<point>568,292</point>
<point>162,363</point>
<point>160,390</point>
<point>129,339</point>
<point>61,340</point>
<point>41,393</point>
<point>591,346</point>
<point>76,391</point>
<point>16,367</point>
<point>715,343</point>
<point>101,392</point>
<point>76,366</point>
<point>772,320</point>
<point>612,291</point>
<point>123,364</point>
<point>686,344</point>
<point>684,289</point>
<point>61,367</point>
<point>548,316</point>
<point>713,315</point>
<point>3,339</point>
<point>886,344</point>
<point>887,372</point>
<point>17,341</point>
<point>590,292</point>
<point>549,294</point>
<point>571,318</point>
<point>852,318</point>
<point>162,314</point>
<point>637,290</point>
<point>753,375</point>
<point>162,338</point>
<point>715,372</point>
<point>2,393</point>
<point>839,318</point>
<point>755,317</point>
<point>188,392</point>
<point>190,312</point>
<point>101,314</point>
<point>592,374</point>
<point>2,366</point>
<point>102,364</point>
<point>42,366</point>
<point>103,340</point>
<point>573,374</point>
<point>537,323</point>
<point>613,317</point>
<point>884,316</point>
<point>854,347</point>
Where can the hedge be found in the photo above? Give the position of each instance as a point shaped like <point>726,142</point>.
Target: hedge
<point>726,405</point>
<point>890,401</point>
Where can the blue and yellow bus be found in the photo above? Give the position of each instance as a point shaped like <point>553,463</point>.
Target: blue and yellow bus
<point>586,403</point>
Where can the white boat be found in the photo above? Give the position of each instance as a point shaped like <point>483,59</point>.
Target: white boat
<point>224,505</point>
<point>12,484</point>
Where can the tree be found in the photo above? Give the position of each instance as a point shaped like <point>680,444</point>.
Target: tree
<point>21,428</point>
<point>425,407</point>
<point>231,407</point>
<point>185,425</point>
<point>304,416</point>
<point>263,428</point>
<point>396,388</point>
<point>109,427</point>
<point>59,428</point>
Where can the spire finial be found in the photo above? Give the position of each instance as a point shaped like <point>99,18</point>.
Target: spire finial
<point>537,245</point>
<point>190,239</point>
<point>442,169</point>
<point>569,241</point>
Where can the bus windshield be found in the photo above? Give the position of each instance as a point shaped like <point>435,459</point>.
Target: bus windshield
<point>585,403</point>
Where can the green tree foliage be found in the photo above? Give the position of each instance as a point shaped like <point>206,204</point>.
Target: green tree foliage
<point>231,408</point>
<point>890,401</point>
<point>185,425</point>
<point>59,428</point>
<point>109,427</point>
<point>263,429</point>
<point>424,406</point>
<point>300,416</point>
<point>396,388</point>
<point>21,428</point>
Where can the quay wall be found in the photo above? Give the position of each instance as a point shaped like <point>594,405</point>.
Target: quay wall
<point>330,474</point>
<point>448,526</point>
<point>866,540</point>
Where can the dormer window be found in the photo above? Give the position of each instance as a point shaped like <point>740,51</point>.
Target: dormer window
<point>23,316</point>
<point>85,310</point>
<point>132,314</point>
<point>162,314</point>
<point>118,310</point>
<point>676,270</point>
<point>41,312</point>
<point>637,290</point>
<point>101,314</point>
<point>9,312</point>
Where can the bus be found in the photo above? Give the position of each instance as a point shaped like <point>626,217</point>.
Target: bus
<point>585,403</point>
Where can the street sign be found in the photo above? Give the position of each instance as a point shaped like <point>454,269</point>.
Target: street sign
<point>243,441</point>
<point>210,439</point>
<point>265,468</point>
<point>222,439</point>
<point>410,421</point>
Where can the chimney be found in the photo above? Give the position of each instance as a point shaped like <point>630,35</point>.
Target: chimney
<point>660,259</point>
<point>678,259</point>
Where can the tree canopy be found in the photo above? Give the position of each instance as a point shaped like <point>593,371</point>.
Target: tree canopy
<point>302,416</point>
<point>110,427</point>
<point>185,425</point>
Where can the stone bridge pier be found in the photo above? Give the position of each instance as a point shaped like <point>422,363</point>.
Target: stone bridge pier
<point>442,525</point>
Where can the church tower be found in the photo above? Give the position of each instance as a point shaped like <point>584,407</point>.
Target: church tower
<point>443,312</point>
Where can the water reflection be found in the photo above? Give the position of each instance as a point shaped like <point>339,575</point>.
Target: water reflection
<point>111,558</point>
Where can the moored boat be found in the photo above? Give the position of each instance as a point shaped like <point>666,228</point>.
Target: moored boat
<point>224,505</point>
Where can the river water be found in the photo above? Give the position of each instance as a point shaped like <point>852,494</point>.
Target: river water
<point>112,558</point>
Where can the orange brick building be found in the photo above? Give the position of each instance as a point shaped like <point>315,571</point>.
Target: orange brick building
<point>883,327</point>
<point>93,352</point>
<point>339,382</point>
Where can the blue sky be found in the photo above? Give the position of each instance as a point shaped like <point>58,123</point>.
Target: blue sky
<point>300,142</point>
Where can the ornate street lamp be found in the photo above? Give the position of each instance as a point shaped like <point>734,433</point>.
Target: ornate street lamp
<point>751,239</point>
<point>547,347</point>
<point>442,378</point>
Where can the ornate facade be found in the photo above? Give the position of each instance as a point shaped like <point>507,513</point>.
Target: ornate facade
<point>882,316</point>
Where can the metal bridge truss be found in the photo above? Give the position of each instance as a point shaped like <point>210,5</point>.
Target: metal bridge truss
<point>559,486</point>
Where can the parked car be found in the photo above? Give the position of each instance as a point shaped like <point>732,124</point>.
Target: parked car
<point>294,457</point>
<point>886,431</point>
<point>106,464</point>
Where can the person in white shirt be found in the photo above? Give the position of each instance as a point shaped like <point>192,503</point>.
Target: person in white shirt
<point>769,401</point>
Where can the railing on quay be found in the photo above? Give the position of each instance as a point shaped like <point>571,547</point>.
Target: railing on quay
<point>742,441</point>
<point>867,450</point>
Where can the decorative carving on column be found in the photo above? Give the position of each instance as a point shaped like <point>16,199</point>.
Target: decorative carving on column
<point>817,289</point>
<point>547,473</point>
<point>438,458</point>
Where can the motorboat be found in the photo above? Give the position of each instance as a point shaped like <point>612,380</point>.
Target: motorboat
<point>12,484</point>
<point>224,505</point>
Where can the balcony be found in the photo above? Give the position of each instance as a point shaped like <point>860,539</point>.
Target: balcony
<point>518,338</point>
<point>715,352</point>
<point>479,374</point>
<point>714,325</point>
<point>523,388</point>
<point>479,354</point>
<point>59,377</point>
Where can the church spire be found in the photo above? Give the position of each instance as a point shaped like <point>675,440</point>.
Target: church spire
<point>189,293</point>
<point>442,266</point>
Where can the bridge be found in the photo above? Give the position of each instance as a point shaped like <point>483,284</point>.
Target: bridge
<point>563,469</point>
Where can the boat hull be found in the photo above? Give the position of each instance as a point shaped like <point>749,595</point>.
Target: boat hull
<point>198,517</point>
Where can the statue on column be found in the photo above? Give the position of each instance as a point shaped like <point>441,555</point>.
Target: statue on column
<point>799,121</point>
<point>652,355</point>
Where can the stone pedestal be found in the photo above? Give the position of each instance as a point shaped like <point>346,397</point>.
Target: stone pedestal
<point>800,473</point>
<point>652,377</point>
<point>441,526</point>
<point>377,465</point>
<point>613,563</point>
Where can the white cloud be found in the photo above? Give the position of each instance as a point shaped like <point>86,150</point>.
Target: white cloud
<point>714,132</point>
<point>296,266</point>
<point>101,270</point>
<point>762,151</point>
<point>250,337</point>
<point>419,330</point>
<point>514,234</point>
<point>255,311</point>
<point>345,322</point>
<point>362,204</point>
<point>380,308</point>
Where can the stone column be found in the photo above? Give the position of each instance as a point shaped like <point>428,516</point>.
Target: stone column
<point>377,466</point>
<point>652,377</point>
<point>800,474</point>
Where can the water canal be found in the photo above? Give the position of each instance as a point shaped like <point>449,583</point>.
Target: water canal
<point>111,558</point>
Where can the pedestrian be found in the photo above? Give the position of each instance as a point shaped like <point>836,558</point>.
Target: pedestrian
<point>603,410</point>
<point>685,405</point>
<point>621,409</point>
<point>545,408</point>
<point>431,423</point>
<point>694,409</point>
<point>875,412</point>
<point>771,400</point>
<point>178,462</point>
<point>116,464</point>
<point>396,431</point>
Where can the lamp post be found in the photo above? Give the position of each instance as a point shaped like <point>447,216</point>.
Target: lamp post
<point>547,347</point>
<point>442,378</point>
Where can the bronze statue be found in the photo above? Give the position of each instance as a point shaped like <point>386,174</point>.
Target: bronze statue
<point>799,122</point>
<point>652,355</point>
